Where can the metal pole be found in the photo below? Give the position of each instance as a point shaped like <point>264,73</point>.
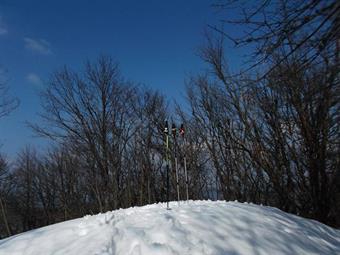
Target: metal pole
<point>166,132</point>
<point>186,175</point>
<point>176,163</point>
<point>182,132</point>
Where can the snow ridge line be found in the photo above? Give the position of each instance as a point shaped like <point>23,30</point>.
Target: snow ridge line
<point>197,227</point>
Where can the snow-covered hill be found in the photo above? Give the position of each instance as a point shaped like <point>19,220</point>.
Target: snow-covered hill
<point>200,227</point>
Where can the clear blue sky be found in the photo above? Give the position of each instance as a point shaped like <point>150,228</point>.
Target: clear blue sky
<point>155,43</point>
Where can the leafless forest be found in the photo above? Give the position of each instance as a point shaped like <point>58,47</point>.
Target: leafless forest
<point>268,134</point>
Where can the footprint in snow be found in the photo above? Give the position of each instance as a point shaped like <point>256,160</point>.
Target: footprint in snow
<point>82,229</point>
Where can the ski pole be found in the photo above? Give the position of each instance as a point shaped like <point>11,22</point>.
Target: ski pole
<point>182,133</point>
<point>176,163</point>
<point>166,133</point>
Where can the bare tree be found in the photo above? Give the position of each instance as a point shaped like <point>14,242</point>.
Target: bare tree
<point>92,111</point>
<point>7,102</point>
<point>147,145</point>
<point>282,28</point>
<point>286,124</point>
<point>65,174</point>
<point>26,204</point>
<point>3,193</point>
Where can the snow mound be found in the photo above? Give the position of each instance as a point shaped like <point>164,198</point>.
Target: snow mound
<point>197,227</point>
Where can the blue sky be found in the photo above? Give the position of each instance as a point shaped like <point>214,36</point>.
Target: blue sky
<point>155,42</point>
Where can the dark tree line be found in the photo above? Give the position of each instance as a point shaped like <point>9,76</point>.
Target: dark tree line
<point>269,134</point>
<point>108,152</point>
<point>281,112</point>
<point>273,141</point>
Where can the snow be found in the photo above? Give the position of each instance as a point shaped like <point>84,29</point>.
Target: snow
<point>197,227</point>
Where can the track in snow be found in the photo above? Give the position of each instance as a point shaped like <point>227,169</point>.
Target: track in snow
<point>197,227</point>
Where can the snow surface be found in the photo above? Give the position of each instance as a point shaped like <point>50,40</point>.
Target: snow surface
<point>197,227</point>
